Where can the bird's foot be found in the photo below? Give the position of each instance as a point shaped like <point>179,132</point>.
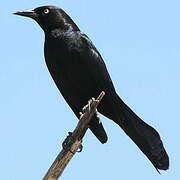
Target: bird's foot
<point>67,143</point>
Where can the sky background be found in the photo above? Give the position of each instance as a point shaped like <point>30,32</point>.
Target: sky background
<point>140,43</point>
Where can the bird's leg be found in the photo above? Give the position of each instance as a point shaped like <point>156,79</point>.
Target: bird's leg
<point>87,107</point>
<point>96,114</point>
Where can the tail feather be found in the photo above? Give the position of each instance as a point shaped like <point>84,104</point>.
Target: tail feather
<point>143,135</point>
<point>98,130</point>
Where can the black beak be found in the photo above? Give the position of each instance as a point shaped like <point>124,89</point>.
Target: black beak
<point>28,13</point>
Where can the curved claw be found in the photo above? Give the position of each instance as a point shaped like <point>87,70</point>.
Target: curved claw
<point>80,148</point>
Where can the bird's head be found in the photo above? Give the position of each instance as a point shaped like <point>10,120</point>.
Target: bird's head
<point>50,18</point>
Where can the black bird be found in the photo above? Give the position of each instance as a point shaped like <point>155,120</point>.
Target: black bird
<point>80,73</point>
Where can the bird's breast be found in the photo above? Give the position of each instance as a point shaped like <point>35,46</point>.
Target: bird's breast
<point>68,71</point>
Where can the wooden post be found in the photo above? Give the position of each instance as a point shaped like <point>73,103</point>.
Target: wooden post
<point>74,141</point>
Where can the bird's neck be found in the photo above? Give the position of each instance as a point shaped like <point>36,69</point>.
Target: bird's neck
<point>55,33</point>
<point>59,31</point>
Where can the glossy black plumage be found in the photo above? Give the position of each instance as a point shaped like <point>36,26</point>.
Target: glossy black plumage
<point>79,72</point>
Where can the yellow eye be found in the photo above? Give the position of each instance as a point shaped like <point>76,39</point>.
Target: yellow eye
<point>46,11</point>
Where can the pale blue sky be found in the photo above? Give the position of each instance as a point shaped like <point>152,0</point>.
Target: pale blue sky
<point>140,43</point>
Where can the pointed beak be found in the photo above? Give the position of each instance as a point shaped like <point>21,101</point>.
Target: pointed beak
<point>28,13</point>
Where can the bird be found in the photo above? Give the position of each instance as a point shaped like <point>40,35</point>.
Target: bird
<point>79,72</point>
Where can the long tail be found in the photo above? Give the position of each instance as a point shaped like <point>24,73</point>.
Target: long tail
<point>143,135</point>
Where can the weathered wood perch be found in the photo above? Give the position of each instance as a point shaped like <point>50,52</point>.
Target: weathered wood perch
<point>74,141</point>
